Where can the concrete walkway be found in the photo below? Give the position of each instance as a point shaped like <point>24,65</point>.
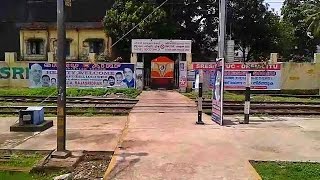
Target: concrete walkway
<point>161,141</point>
<point>83,133</point>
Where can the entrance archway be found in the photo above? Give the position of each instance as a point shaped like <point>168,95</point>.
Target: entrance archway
<point>179,51</point>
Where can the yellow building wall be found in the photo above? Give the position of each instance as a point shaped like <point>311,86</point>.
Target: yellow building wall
<point>14,73</point>
<point>78,49</point>
<point>300,76</point>
<point>85,34</point>
<point>305,76</point>
<point>31,34</point>
<point>70,34</point>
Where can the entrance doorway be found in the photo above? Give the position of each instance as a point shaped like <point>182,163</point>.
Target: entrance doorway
<point>161,71</point>
<point>160,61</point>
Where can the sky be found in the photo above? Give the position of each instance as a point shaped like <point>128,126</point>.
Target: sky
<point>276,4</point>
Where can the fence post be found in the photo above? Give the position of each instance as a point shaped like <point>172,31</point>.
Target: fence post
<point>200,122</point>
<point>247,98</point>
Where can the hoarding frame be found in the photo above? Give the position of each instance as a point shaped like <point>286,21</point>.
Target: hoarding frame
<point>218,118</point>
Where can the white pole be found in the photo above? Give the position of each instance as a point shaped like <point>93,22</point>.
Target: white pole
<point>222,28</point>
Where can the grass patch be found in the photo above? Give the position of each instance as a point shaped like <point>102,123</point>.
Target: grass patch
<point>6,175</point>
<point>287,170</point>
<point>71,92</point>
<point>8,103</point>
<point>22,160</point>
<point>240,97</point>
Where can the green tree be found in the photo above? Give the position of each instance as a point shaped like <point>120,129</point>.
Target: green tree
<point>125,15</point>
<point>285,45</point>
<point>195,20</point>
<point>294,15</point>
<point>312,9</point>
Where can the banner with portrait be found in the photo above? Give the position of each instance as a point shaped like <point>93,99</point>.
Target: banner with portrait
<point>217,92</point>
<point>264,76</point>
<point>84,75</point>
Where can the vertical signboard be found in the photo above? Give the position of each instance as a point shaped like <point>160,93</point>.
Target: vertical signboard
<point>217,92</point>
<point>183,76</point>
<point>139,76</point>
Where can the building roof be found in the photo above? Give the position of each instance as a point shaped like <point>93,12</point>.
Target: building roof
<point>46,10</point>
<point>52,25</point>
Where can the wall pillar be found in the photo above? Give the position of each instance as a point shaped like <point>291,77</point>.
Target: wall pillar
<point>189,60</point>
<point>92,57</point>
<point>10,57</point>
<point>134,58</point>
<point>316,58</point>
<point>189,67</point>
<point>273,58</point>
<point>230,51</point>
<point>51,57</point>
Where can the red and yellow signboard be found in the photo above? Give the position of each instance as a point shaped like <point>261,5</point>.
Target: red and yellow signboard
<point>162,67</point>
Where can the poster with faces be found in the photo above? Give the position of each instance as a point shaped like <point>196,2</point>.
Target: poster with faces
<point>102,75</point>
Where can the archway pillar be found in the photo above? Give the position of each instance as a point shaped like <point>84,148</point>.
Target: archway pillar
<point>134,58</point>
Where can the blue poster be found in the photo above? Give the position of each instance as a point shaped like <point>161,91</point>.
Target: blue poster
<point>103,75</point>
<point>217,93</point>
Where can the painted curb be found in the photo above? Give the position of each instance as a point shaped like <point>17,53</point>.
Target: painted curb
<point>253,172</point>
<point>117,149</point>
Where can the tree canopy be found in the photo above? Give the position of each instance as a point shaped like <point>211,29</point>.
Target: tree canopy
<point>312,9</point>
<point>250,23</point>
<point>126,14</point>
<point>294,16</point>
<point>253,27</point>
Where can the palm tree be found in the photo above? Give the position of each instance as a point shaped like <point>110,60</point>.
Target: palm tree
<point>312,9</point>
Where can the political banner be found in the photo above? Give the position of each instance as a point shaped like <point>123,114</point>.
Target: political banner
<point>84,75</point>
<point>264,77</point>
<point>217,93</point>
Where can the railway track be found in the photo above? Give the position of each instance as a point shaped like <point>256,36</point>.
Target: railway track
<point>115,106</point>
<point>290,95</point>
<point>73,110</point>
<point>75,105</point>
<point>71,100</point>
<point>270,108</point>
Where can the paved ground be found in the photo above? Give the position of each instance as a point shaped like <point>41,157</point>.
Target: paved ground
<point>163,142</point>
<point>83,133</point>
